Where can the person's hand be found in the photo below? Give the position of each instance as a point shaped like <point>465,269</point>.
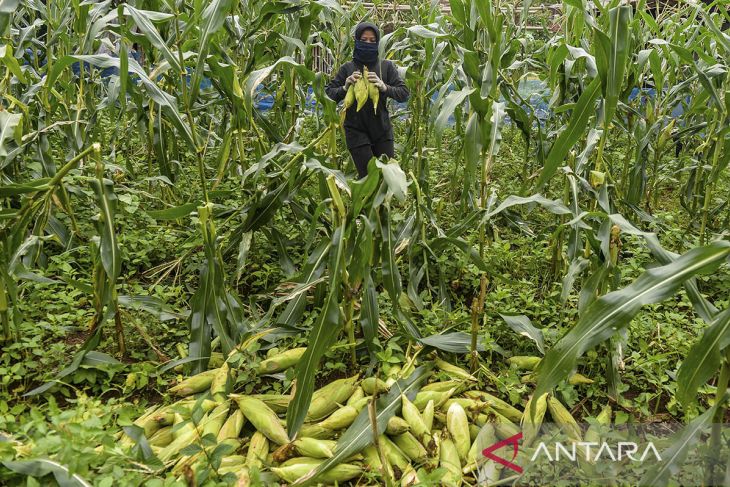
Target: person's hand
<point>352,79</point>
<point>373,78</point>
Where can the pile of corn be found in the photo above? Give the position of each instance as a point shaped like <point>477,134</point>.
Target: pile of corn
<point>447,424</point>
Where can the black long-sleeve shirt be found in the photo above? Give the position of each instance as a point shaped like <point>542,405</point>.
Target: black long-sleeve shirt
<point>366,127</point>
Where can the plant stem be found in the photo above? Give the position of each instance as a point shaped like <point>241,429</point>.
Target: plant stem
<point>708,192</point>
<point>711,478</point>
<point>4,312</point>
<point>349,325</point>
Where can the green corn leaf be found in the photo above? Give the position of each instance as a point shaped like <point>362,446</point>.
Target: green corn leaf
<point>472,152</point>
<point>369,313</point>
<point>212,20</point>
<point>452,100</point>
<point>162,98</point>
<point>173,213</point>
<point>521,324</point>
<point>40,467</point>
<point>321,336</point>
<point>619,53</point>
<point>312,271</point>
<point>153,36</point>
<point>681,443</point>
<point>704,358</point>
<point>390,272</point>
<point>10,126</point>
<point>615,310</point>
<point>7,9</point>
<point>109,248</point>
<point>568,137</point>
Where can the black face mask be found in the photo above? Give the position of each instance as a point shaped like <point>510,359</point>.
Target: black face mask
<point>365,52</point>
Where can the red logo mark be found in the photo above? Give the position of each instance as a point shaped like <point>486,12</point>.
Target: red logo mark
<point>512,440</point>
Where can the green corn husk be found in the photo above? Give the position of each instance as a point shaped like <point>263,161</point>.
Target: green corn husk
<point>393,454</point>
<point>449,459</point>
<point>281,361</point>
<point>216,360</point>
<point>233,425</point>
<point>277,402</point>
<point>524,362</point>
<point>216,418</point>
<point>372,384</point>
<point>182,350</point>
<point>178,419</point>
<point>283,453</point>
<point>356,396</point>
<point>410,365</point>
<point>301,460</point>
<point>473,432</point>
<point>397,426</point>
<point>192,385</point>
<point>564,419</point>
<point>438,398</point>
<point>500,406</point>
<point>531,424</point>
<point>311,447</point>
<point>372,460</point>
<point>361,92</point>
<point>349,98</point>
<point>374,95</point>
<point>262,418</point>
<point>411,447</point>
<point>240,470</point>
<point>409,477</point>
<point>578,379</point>
<point>413,417</point>
<point>258,449</point>
<point>458,426</point>
<point>486,437</point>
<point>183,436</point>
<point>470,405</point>
<point>453,371</point>
<point>219,385</point>
<point>316,431</point>
<point>162,437</point>
<point>392,371</point>
<point>146,422</point>
<point>340,419</point>
<point>166,417</point>
<point>434,450</point>
<point>443,386</point>
<point>233,460</point>
<point>326,400</point>
<point>504,427</point>
<point>340,473</point>
<point>185,406</point>
<point>427,415</point>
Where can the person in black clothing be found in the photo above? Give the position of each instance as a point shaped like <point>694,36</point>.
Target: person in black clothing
<point>368,132</point>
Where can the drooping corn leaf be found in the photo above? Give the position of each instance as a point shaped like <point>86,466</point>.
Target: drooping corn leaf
<point>584,108</point>
<point>681,443</point>
<point>615,310</point>
<point>40,467</point>
<point>320,338</point>
<point>704,358</point>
